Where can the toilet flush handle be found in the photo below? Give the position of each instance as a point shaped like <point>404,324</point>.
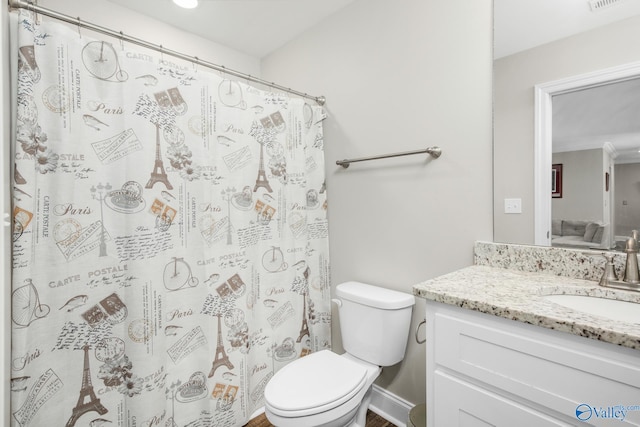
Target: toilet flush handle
<point>337,302</point>
<point>418,340</point>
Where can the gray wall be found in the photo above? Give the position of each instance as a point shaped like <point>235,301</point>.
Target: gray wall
<point>627,198</point>
<point>401,76</point>
<point>582,186</point>
<point>514,79</point>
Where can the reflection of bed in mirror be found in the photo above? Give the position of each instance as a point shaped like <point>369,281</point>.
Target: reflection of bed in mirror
<point>577,233</point>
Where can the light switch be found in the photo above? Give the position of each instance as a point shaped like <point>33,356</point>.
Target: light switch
<point>512,206</point>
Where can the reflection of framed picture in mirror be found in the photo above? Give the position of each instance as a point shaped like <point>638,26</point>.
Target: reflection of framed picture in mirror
<point>556,180</point>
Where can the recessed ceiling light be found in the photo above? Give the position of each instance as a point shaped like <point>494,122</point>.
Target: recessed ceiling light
<point>187,4</point>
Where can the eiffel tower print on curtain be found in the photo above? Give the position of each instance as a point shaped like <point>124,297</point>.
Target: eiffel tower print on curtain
<point>261,180</point>
<point>93,405</point>
<point>221,358</point>
<point>158,174</point>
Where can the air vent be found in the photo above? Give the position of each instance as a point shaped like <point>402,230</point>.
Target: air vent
<point>597,5</point>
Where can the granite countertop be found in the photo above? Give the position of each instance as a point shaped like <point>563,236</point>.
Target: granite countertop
<point>518,295</point>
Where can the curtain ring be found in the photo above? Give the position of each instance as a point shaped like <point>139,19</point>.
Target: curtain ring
<point>195,64</point>
<point>33,11</point>
<point>223,71</point>
<point>161,53</point>
<point>79,33</point>
<point>121,41</point>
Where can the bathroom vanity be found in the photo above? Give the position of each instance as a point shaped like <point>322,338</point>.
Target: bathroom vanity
<point>504,348</point>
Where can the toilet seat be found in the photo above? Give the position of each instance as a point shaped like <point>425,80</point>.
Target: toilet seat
<point>313,384</point>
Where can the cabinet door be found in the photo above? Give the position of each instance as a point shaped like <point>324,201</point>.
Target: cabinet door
<point>556,373</point>
<point>461,404</point>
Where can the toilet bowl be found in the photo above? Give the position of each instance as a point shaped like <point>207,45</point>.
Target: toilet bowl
<point>325,389</point>
<point>322,389</point>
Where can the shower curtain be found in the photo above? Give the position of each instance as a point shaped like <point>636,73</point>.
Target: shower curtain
<point>170,247</point>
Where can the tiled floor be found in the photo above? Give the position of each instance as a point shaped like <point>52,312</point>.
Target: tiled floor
<point>373,420</point>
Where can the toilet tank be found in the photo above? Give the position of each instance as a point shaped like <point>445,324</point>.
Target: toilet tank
<point>374,322</point>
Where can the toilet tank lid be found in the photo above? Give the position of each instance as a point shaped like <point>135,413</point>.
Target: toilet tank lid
<point>374,296</point>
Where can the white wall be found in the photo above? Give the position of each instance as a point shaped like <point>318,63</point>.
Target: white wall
<point>401,76</point>
<point>5,229</point>
<point>514,79</point>
<point>118,18</point>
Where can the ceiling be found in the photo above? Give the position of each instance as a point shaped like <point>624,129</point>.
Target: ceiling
<point>604,114</point>
<point>254,27</point>
<point>258,27</point>
<point>587,119</point>
<point>523,24</point>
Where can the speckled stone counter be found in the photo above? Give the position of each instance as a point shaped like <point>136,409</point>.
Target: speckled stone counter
<point>517,291</point>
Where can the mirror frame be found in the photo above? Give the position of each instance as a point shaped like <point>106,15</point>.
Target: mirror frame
<point>543,94</point>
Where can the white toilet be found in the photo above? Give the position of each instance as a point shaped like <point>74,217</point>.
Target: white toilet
<point>330,390</point>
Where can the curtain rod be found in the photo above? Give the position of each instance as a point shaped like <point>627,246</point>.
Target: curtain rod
<point>159,48</point>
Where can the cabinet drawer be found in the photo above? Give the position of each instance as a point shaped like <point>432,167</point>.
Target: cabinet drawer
<point>476,407</point>
<point>551,369</point>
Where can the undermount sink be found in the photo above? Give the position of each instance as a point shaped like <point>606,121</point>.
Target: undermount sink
<point>623,311</point>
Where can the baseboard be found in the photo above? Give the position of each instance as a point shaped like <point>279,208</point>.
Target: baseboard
<point>389,406</point>
<point>257,413</point>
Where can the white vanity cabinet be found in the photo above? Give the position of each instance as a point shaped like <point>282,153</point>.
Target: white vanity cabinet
<point>483,370</point>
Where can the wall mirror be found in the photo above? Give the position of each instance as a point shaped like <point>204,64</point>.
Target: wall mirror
<point>583,116</point>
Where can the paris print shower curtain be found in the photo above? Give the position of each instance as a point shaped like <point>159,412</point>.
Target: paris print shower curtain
<point>170,245</point>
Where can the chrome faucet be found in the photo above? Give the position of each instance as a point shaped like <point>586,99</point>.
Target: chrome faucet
<point>631,274</point>
<point>609,274</point>
<point>631,278</point>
